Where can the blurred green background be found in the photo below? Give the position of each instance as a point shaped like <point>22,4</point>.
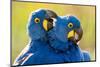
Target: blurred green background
<point>20,14</point>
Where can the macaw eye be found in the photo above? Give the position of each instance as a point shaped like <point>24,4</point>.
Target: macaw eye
<point>70,25</point>
<point>36,20</point>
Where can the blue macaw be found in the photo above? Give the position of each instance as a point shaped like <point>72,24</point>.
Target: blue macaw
<point>51,41</point>
<point>64,37</point>
<point>37,28</point>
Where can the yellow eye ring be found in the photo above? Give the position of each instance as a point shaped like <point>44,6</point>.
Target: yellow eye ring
<point>70,25</point>
<point>36,20</point>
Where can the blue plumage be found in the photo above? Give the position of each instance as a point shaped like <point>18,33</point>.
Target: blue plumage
<point>86,56</point>
<point>53,45</point>
<point>59,41</point>
<point>37,37</point>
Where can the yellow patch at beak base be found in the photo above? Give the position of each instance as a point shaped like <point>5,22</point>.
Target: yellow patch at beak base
<point>45,22</point>
<point>71,34</point>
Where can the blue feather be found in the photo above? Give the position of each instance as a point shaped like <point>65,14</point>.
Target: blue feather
<point>52,46</point>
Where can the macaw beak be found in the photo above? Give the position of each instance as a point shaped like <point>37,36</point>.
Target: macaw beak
<point>75,35</point>
<point>48,22</point>
<point>45,25</point>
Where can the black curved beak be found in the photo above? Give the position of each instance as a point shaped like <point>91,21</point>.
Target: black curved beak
<point>76,35</point>
<point>51,14</point>
<point>48,22</point>
<point>79,32</point>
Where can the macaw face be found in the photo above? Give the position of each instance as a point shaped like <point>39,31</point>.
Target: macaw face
<point>38,24</point>
<point>66,28</point>
<point>75,29</point>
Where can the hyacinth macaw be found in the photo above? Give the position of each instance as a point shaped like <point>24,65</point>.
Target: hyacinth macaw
<point>64,38</point>
<point>37,32</point>
<point>51,41</point>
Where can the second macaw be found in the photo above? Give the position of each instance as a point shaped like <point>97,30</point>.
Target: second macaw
<point>53,40</point>
<point>64,38</point>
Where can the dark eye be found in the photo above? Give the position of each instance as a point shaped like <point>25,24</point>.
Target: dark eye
<point>70,25</point>
<point>36,20</point>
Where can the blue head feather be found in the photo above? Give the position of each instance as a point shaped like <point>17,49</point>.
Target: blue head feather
<point>35,30</point>
<point>58,35</point>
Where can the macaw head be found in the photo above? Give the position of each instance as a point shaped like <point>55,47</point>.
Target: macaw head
<point>75,31</point>
<point>38,24</point>
<point>66,29</point>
